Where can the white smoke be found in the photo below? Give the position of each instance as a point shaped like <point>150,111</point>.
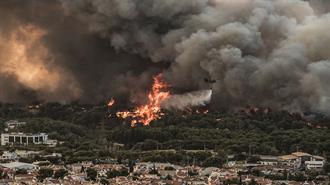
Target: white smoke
<point>261,52</point>
<point>191,99</point>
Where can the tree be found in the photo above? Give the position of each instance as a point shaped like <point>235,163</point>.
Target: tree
<point>82,169</point>
<point>3,175</point>
<point>153,172</point>
<point>169,168</point>
<point>104,181</point>
<point>91,174</point>
<point>299,176</point>
<point>312,174</point>
<point>192,173</point>
<point>326,167</point>
<point>116,173</point>
<point>213,162</point>
<point>44,173</point>
<point>253,159</point>
<point>21,171</point>
<point>60,174</point>
<point>168,177</point>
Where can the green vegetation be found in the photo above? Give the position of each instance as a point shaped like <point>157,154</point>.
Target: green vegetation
<point>182,138</point>
<point>116,173</point>
<point>60,173</point>
<point>91,174</point>
<point>44,173</point>
<point>104,181</point>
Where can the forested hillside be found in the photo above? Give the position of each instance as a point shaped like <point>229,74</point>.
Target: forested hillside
<point>88,131</point>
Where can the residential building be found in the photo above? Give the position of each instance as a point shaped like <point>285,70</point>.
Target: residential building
<point>23,138</point>
<point>27,154</point>
<point>19,166</point>
<point>302,160</point>
<point>11,124</point>
<point>51,142</point>
<point>316,162</point>
<point>267,160</point>
<point>9,156</point>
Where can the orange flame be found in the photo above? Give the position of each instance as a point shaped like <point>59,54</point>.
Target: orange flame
<point>111,102</point>
<point>152,110</point>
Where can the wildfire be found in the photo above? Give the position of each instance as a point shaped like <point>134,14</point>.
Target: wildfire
<point>111,102</point>
<point>152,110</point>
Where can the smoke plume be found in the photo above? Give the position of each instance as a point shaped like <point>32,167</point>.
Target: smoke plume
<point>191,99</point>
<point>258,52</point>
<point>47,55</point>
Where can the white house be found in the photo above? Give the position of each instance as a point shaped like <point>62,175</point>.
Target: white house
<point>23,138</point>
<point>301,159</point>
<point>316,162</point>
<point>11,156</point>
<point>268,160</point>
<point>11,124</point>
<point>19,166</point>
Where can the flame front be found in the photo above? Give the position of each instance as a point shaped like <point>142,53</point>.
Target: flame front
<point>152,110</point>
<point>111,102</point>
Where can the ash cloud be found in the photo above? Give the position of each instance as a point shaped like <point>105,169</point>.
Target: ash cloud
<point>259,52</point>
<point>66,62</point>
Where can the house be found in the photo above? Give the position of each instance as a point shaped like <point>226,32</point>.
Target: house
<point>9,156</point>
<point>267,160</point>
<point>23,138</point>
<point>287,160</point>
<point>315,162</point>
<point>182,173</point>
<point>25,179</point>
<point>27,154</point>
<point>50,142</point>
<point>11,124</point>
<point>220,175</point>
<point>302,160</point>
<point>19,166</point>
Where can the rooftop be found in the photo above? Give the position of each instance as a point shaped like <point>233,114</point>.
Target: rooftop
<point>18,165</point>
<point>287,157</point>
<point>23,134</point>
<point>301,154</point>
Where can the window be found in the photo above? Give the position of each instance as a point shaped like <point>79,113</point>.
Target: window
<point>17,139</point>
<point>30,139</point>
<point>11,139</point>
<point>36,139</point>
<point>23,139</point>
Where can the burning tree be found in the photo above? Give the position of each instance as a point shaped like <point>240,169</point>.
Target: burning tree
<point>152,110</point>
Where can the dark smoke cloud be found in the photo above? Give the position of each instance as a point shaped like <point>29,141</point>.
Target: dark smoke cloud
<point>261,52</point>
<point>87,67</point>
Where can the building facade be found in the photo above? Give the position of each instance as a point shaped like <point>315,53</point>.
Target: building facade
<point>23,138</point>
<point>299,160</point>
<point>11,124</point>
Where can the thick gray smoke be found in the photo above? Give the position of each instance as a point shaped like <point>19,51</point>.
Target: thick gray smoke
<point>271,53</point>
<point>260,52</point>
<point>47,55</point>
<point>191,99</point>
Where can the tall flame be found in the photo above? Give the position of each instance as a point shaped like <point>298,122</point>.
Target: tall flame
<point>152,110</point>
